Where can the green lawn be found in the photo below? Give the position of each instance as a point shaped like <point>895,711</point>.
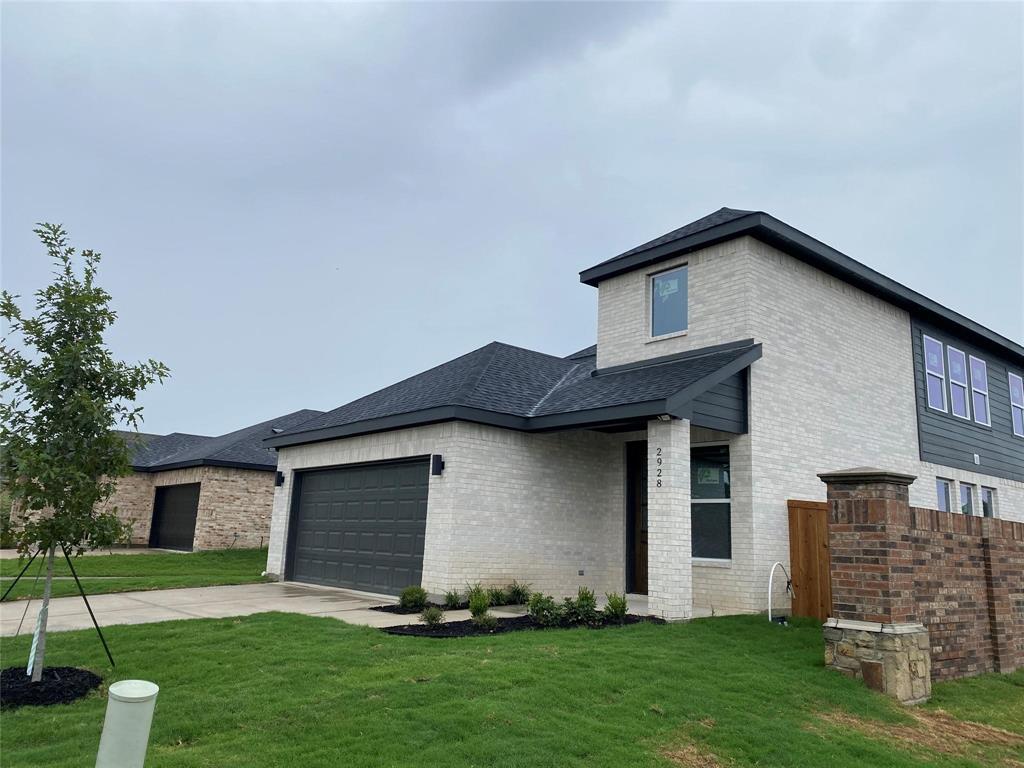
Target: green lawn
<point>128,573</point>
<point>288,690</point>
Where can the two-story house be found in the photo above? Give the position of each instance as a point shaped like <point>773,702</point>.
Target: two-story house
<point>736,358</point>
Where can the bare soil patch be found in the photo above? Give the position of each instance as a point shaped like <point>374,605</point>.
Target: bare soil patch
<point>692,756</point>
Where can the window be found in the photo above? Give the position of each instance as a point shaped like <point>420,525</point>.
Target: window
<point>958,383</point>
<point>935,374</point>
<point>944,490</point>
<point>988,501</point>
<point>967,499</point>
<point>668,302</point>
<point>1017,404</point>
<point>710,510</point>
<point>979,391</point>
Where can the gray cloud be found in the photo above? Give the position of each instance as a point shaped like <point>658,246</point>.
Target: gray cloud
<point>300,203</point>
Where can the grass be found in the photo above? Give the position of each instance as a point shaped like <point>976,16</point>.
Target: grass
<point>129,573</point>
<point>288,690</point>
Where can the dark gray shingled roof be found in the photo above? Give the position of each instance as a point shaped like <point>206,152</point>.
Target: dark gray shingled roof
<point>521,389</point>
<point>243,448</point>
<point>730,223</point>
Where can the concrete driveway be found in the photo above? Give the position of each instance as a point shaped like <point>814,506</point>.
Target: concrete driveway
<point>205,602</point>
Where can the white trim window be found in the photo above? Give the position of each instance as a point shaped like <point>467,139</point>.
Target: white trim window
<point>935,374</point>
<point>967,498</point>
<point>944,492</point>
<point>1017,404</point>
<point>669,302</point>
<point>958,391</point>
<point>988,501</point>
<point>979,391</point>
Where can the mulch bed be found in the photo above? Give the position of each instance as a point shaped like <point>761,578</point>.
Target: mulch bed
<point>60,685</point>
<point>514,624</point>
<point>396,608</point>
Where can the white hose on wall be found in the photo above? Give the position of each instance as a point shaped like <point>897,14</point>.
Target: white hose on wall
<point>771,576</point>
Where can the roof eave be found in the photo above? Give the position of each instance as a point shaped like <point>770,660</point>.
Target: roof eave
<point>205,463</point>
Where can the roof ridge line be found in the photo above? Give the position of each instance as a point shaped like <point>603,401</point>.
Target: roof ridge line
<point>474,376</point>
<point>550,392</point>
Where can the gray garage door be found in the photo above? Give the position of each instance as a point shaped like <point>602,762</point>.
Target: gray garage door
<point>361,527</point>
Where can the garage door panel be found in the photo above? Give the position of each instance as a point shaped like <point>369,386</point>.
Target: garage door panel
<point>175,508</point>
<point>363,527</point>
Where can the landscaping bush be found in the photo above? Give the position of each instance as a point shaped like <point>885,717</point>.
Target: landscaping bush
<point>432,616</point>
<point>413,597</point>
<point>616,607</point>
<point>544,610</point>
<point>7,540</point>
<point>517,594</point>
<point>485,621</point>
<point>474,590</point>
<point>452,600</point>
<point>478,603</point>
<point>497,596</point>
<point>582,610</point>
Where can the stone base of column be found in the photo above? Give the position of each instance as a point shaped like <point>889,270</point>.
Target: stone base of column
<point>894,659</point>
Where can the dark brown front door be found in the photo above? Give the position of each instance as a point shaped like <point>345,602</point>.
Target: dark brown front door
<point>636,517</point>
<point>174,516</point>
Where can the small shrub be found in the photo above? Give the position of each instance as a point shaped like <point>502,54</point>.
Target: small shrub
<point>413,597</point>
<point>452,600</point>
<point>474,590</point>
<point>485,621</point>
<point>582,610</point>
<point>518,594</point>
<point>545,611</point>
<point>616,607</point>
<point>432,616</point>
<point>478,604</point>
<point>497,596</point>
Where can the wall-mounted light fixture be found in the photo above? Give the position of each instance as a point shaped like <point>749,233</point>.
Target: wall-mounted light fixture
<point>664,417</point>
<point>436,464</point>
<point>279,479</point>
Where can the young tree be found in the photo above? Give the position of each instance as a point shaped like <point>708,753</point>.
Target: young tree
<point>63,396</point>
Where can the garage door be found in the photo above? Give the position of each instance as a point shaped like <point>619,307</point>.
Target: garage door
<point>174,516</point>
<point>361,526</point>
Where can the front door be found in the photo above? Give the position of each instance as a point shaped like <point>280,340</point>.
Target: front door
<point>636,517</point>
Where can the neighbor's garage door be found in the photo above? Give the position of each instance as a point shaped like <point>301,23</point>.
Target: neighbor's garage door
<point>362,526</point>
<point>174,516</point>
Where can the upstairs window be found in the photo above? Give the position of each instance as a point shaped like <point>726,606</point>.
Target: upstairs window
<point>988,501</point>
<point>979,389</point>
<point>967,499</point>
<point>944,490</point>
<point>1017,404</point>
<point>935,373</point>
<point>958,383</point>
<point>668,302</point>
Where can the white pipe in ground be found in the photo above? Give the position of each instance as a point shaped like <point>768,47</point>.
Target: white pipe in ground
<point>126,728</point>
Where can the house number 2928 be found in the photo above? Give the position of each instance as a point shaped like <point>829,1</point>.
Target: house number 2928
<point>657,453</point>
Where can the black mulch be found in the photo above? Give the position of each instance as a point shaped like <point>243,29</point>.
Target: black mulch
<point>513,624</point>
<point>396,608</point>
<point>60,685</point>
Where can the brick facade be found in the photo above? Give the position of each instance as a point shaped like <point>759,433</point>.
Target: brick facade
<point>962,577</point>
<point>235,505</point>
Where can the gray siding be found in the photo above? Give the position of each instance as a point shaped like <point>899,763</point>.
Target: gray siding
<point>723,407</point>
<point>951,441</point>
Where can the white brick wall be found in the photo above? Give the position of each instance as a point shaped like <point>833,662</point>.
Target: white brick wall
<point>669,574</point>
<point>509,505</point>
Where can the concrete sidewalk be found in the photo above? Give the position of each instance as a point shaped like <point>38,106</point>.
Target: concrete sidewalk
<point>207,602</point>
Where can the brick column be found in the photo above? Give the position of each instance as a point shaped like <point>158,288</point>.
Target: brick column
<point>874,632</point>
<point>1004,582</point>
<point>669,573</point>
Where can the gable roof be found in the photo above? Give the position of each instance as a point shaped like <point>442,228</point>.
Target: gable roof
<point>729,223</point>
<point>242,448</point>
<point>517,388</point>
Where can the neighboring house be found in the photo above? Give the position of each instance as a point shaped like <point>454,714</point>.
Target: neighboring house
<point>196,492</point>
<point>736,358</point>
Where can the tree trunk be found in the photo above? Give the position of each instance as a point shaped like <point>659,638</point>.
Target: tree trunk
<point>37,667</point>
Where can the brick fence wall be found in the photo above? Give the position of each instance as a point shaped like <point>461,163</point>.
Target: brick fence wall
<point>960,576</point>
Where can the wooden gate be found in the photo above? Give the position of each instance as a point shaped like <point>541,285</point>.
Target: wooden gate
<point>809,558</point>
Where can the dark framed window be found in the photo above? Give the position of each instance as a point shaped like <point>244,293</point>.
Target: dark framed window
<point>710,505</point>
<point>988,501</point>
<point>668,302</point>
<point>967,498</point>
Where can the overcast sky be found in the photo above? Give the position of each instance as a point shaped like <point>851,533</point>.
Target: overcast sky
<point>300,204</point>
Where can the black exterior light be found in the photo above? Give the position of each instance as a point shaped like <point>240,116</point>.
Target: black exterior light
<point>279,479</point>
<point>436,464</point>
